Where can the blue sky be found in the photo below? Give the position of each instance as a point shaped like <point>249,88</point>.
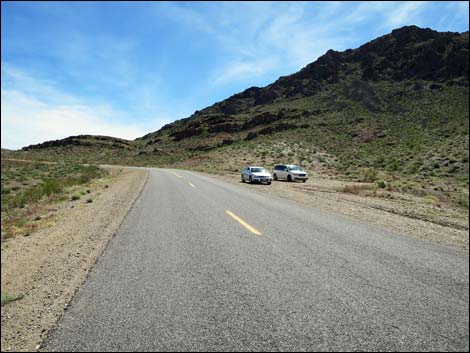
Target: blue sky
<point>124,69</point>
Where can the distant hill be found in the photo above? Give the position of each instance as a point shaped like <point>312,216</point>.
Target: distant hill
<point>398,104</point>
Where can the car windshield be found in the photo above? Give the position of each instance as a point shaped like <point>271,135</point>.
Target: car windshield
<point>294,167</point>
<point>258,170</point>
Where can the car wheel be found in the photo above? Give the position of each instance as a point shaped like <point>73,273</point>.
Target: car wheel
<point>275,177</point>
<point>243,179</point>
<point>269,183</point>
<point>251,180</point>
<point>289,178</point>
<point>304,180</point>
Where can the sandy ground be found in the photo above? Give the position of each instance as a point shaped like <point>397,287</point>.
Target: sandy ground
<point>393,211</point>
<point>48,266</point>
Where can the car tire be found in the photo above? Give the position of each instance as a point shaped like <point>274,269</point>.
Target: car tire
<point>243,179</point>
<point>251,180</point>
<point>289,178</point>
<point>269,183</point>
<point>304,180</point>
<point>275,177</point>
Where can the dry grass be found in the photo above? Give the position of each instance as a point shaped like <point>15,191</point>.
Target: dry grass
<point>357,188</point>
<point>29,188</point>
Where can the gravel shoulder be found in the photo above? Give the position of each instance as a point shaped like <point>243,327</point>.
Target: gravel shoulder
<point>47,267</point>
<point>393,211</point>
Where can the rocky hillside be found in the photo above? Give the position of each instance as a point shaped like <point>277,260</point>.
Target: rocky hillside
<point>397,105</point>
<point>408,59</point>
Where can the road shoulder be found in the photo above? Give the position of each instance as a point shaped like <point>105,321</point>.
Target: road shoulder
<point>47,267</point>
<point>410,216</point>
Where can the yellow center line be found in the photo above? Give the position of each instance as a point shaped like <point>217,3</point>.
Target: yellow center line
<point>243,223</point>
<point>191,185</point>
<point>177,175</point>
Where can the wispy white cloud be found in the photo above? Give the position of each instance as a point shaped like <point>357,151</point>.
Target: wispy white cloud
<point>280,37</point>
<point>184,15</point>
<point>13,78</point>
<point>237,70</point>
<point>458,13</point>
<point>405,13</point>
<point>295,34</point>
<point>35,111</point>
<point>365,10</point>
<point>27,120</point>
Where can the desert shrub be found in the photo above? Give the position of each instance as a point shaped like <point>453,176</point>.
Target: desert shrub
<point>20,222</point>
<point>394,165</point>
<point>357,188</point>
<point>368,175</point>
<point>352,189</point>
<point>46,188</point>
<point>381,184</point>
<point>37,165</point>
<point>49,187</point>
<point>75,197</point>
<point>431,199</point>
<point>454,169</point>
<point>463,201</point>
<point>5,298</point>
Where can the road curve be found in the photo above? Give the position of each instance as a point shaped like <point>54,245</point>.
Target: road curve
<point>184,274</point>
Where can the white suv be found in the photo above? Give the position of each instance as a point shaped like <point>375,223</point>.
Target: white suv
<point>289,172</point>
<point>256,174</point>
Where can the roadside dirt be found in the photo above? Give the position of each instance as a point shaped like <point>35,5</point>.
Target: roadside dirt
<point>48,266</point>
<point>393,211</point>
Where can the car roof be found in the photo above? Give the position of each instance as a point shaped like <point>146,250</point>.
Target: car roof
<point>286,165</point>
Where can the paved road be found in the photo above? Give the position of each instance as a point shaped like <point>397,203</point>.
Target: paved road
<point>182,274</point>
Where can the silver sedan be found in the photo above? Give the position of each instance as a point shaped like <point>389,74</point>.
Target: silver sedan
<point>256,174</point>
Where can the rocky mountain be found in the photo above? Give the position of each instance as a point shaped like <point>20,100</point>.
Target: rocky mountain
<point>398,104</point>
<point>425,58</point>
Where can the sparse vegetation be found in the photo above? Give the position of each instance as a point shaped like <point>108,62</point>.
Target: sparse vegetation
<point>357,188</point>
<point>368,175</point>
<point>6,299</point>
<point>32,185</point>
<point>464,201</point>
<point>381,184</point>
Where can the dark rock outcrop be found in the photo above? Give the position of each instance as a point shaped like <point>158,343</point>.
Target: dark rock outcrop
<point>225,127</point>
<point>187,133</point>
<point>81,140</point>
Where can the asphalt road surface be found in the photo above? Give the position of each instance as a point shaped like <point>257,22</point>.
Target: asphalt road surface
<point>202,265</point>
